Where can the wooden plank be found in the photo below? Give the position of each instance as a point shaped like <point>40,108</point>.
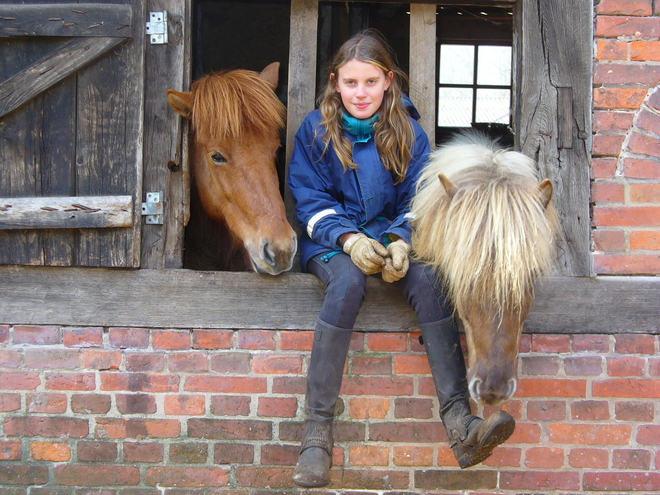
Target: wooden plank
<point>165,163</point>
<point>422,64</point>
<point>187,299</point>
<point>81,19</point>
<point>553,78</point>
<point>475,3</point>
<point>66,213</point>
<point>51,69</point>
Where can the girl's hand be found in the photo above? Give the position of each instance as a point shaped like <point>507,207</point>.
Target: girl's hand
<point>397,263</point>
<point>366,253</point>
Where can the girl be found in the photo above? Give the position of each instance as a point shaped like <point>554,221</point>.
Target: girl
<point>352,174</point>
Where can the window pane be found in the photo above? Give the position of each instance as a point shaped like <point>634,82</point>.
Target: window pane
<point>455,107</point>
<point>494,65</point>
<point>456,64</point>
<point>493,105</point>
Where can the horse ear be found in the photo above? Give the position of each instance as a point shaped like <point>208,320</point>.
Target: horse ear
<point>546,188</point>
<point>271,74</point>
<point>181,102</point>
<point>449,186</point>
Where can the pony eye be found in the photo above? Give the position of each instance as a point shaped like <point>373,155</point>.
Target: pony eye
<point>218,158</point>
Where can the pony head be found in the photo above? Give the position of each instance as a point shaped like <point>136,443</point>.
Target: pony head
<point>236,118</point>
<point>488,226</point>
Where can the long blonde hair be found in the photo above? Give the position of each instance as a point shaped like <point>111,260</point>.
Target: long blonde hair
<point>393,131</point>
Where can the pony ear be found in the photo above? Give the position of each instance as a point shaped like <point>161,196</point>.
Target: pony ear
<point>450,188</point>
<point>181,102</point>
<point>546,188</point>
<point>271,74</point>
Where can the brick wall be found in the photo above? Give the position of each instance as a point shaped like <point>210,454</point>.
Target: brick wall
<point>626,146</point>
<point>139,412</point>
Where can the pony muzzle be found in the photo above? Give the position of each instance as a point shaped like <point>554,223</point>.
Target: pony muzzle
<point>492,394</point>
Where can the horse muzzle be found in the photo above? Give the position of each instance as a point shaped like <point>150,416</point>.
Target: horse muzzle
<point>492,393</point>
<point>273,257</point>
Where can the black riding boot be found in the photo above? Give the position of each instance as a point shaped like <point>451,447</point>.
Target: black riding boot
<point>324,377</point>
<point>471,438</point>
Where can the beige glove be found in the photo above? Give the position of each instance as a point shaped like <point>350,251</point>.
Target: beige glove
<point>396,264</point>
<point>367,254</point>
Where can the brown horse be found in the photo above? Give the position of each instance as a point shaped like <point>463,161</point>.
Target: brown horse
<point>236,121</point>
<point>485,223</point>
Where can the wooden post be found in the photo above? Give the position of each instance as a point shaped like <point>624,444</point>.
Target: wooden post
<point>422,64</point>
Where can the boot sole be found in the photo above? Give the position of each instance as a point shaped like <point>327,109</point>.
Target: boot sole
<point>498,433</point>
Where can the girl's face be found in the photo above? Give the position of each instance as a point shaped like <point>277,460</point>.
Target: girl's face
<point>361,86</point>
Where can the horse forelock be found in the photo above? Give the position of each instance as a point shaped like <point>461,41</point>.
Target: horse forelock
<point>494,238</point>
<point>234,105</point>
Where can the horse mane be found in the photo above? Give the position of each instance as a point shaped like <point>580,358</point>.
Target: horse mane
<point>233,104</point>
<point>494,238</point>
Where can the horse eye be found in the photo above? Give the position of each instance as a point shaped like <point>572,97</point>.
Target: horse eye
<point>218,158</point>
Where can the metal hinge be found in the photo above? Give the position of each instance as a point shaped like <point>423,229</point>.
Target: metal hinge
<point>157,28</point>
<point>153,209</point>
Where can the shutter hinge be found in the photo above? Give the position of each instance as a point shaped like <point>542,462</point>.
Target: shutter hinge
<point>157,28</point>
<point>153,209</point>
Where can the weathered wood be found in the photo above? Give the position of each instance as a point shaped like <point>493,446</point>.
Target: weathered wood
<point>50,70</point>
<point>66,213</point>
<point>422,64</point>
<point>552,114</point>
<point>187,299</point>
<point>165,160</point>
<point>83,19</point>
<point>475,3</point>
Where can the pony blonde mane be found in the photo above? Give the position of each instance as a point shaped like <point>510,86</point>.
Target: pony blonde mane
<point>233,104</point>
<point>494,238</point>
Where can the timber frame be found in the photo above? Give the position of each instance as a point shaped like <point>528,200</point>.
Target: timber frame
<point>552,123</point>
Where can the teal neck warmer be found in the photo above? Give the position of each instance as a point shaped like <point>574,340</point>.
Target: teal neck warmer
<point>361,128</point>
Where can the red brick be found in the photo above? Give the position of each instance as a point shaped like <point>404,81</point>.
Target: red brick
<point>228,405</point>
<point>634,411</point>
<point>387,342</point>
<point>616,26</point>
<point>192,477</point>
<point>654,366</point>
<point>631,459</point>
<point>645,240</point>
<point>641,168</point>
<point>624,74</point>
<point>591,343</point>
<point>607,144</point>
<point>16,474</point>
<point>139,382</point>
<point>370,365</point>
<point>189,453</point>
<point>648,435</point>
<point>613,481</point>
<point>83,337</point>
<point>645,51</point>
<point>90,403</point>
<point>514,407</point>
<point>64,359</point>
<point>213,339</point>
<point>546,387</point>
<point>590,410</point>
<point>10,358</point>
<point>588,458</point>
<point>45,402</point>
<point>279,455</point>
<point>603,167</point>
<point>4,334</point>
<point>505,457</point>
<point>96,475</point>
<point>185,405</point>
<point>9,401</point>
<point>627,387</point>
<point>407,432</point>
<point>634,344</point>
<point>171,340</point>
<point>625,366</point>
<point>289,385</point>
<point>145,361</point>
<point>233,453</point>
<point>412,455</point>
<point>368,408</point>
<point>627,7</point>
<point>97,451</point>
<point>618,99</point>
<point>137,428</point>
<point>626,216</point>
<point>369,455</point>
<point>539,480</point>
<point>296,341</point>
<point>19,380</point>
<point>126,338</point>
<point>136,403</point>
<point>590,434</point>
<point>50,451</point>
<point>626,265</point>
<point>70,381</point>
<point>188,361</point>
<point>231,362</point>
<point>143,452</point>
<point>280,407</point>
<point>277,364</point>
<point>544,457</point>
<point>100,359</point>
<point>526,433</point>
<point>358,385</point>
<point>38,335</point>
<point>226,384</point>
<point>583,366</point>
<point>413,408</point>
<point>610,50</point>
<point>539,365</point>
<point>230,429</point>
<point>607,192</point>
<point>546,410</point>
<point>257,339</point>
<point>46,426</point>
<point>411,365</point>
<point>647,120</point>
<point>642,144</point>
<point>551,343</point>
<point>270,477</point>
<point>11,450</point>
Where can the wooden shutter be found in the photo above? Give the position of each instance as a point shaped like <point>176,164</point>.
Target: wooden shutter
<point>71,133</point>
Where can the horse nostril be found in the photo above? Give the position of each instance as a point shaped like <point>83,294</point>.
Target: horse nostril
<point>512,388</point>
<point>474,388</point>
<point>268,255</point>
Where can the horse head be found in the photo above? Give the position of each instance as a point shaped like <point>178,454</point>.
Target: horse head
<point>236,119</point>
<point>488,226</point>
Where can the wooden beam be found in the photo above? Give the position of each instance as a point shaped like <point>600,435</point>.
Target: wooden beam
<point>51,69</point>
<point>75,19</point>
<point>422,64</point>
<point>188,299</point>
<point>66,213</point>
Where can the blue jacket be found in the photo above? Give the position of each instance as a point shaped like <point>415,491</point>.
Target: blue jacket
<point>331,202</point>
